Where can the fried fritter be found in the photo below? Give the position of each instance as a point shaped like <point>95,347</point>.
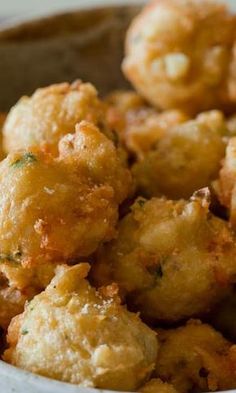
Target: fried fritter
<point>139,126</point>
<point>171,260</point>
<point>61,209</point>
<point>181,54</point>
<point>52,112</point>
<point>196,357</point>
<point>98,158</point>
<point>122,104</point>
<point>73,333</point>
<point>186,158</point>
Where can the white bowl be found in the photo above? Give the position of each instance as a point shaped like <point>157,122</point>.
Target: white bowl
<point>41,49</point>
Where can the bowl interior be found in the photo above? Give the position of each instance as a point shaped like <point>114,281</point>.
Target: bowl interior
<point>84,44</point>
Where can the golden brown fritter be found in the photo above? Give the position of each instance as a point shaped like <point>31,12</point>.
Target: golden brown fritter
<point>196,357</point>
<point>97,157</point>
<point>138,125</point>
<point>186,158</point>
<point>61,209</point>
<point>120,105</point>
<point>157,386</point>
<point>51,113</point>
<point>171,260</point>
<point>73,333</point>
<point>41,201</point>
<point>181,54</point>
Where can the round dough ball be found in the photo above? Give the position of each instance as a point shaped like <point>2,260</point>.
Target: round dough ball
<point>181,54</point>
<point>98,159</point>
<point>196,357</point>
<point>120,106</point>
<point>52,112</point>
<point>61,209</point>
<point>171,260</point>
<point>73,333</point>
<point>186,157</point>
<point>45,211</point>
<point>140,127</point>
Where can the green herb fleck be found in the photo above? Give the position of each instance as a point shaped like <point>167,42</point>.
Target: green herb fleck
<point>141,202</point>
<point>24,332</point>
<point>27,158</point>
<point>6,257</point>
<point>14,257</point>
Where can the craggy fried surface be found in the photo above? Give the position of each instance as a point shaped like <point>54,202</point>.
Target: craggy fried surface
<point>42,199</point>
<point>186,158</point>
<point>171,260</point>
<point>73,333</point>
<point>181,54</point>
<point>139,126</point>
<point>51,113</point>
<point>196,356</point>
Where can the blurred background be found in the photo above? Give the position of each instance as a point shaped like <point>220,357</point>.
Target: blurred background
<point>12,8</point>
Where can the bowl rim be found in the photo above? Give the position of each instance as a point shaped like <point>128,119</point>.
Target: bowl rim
<point>41,382</point>
<point>34,16</point>
<point>52,385</point>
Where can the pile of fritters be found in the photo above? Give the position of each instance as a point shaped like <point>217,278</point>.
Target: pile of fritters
<point>118,215</point>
